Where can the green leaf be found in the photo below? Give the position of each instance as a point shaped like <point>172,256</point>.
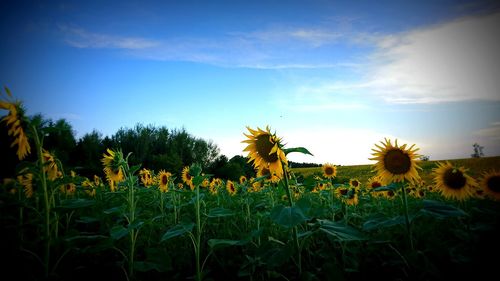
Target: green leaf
<point>85,237</point>
<point>441,210</point>
<point>219,212</point>
<point>85,219</point>
<point>136,224</point>
<point>113,210</point>
<point>297,149</point>
<point>221,243</point>
<point>340,231</point>
<point>134,169</point>
<point>7,90</point>
<point>118,232</point>
<point>177,230</point>
<point>287,216</point>
<point>75,203</point>
<point>381,221</point>
<point>391,186</point>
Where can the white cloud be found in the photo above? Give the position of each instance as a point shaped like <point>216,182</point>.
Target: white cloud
<point>80,38</point>
<point>491,133</point>
<point>454,61</point>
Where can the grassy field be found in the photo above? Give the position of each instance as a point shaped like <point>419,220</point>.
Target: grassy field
<point>475,166</point>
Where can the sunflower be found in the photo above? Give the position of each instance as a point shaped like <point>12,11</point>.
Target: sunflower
<point>243,180</point>
<point>50,166</point>
<point>230,187</point>
<point>263,171</point>
<point>354,183</point>
<point>146,177</point>
<point>374,182</point>
<point>27,182</point>
<point>490,184</point>
<point>265,149</point>
<point>112,167</point>
<point>163,179</point>
<point>396,163</point>
<point>351,198</point>
<point>453,182</point>
<point>329,170</point>
<point>68,189</point>
<point>15,120</point>
<point>214,185</point>
<point>187,178</point>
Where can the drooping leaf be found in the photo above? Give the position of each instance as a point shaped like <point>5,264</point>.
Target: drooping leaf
<point>441,210</point>
<point>177,230</point>
<point>219,212</point>
<point>340,230</point>
<point>75,203</point>
<point>118,232</point>
<point>297,149</point>
<point>287,216</point>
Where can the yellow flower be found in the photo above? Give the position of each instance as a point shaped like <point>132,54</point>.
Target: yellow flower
<point>374,182</point>
<point>27,182</point>
<point>263,171</point>
<point>163,180</point>
<point>490,184</point>
<point>243,180</point>
<point>50,166</point>
<point>329,170</point>
<point>265,150</point>
<point>355,183</point>
<point>146,178</point>
<point>453,182</point>
<point>230,187</point>
<point>14,120</point>
<point>396,163</point>
<point>187,178</point>
<point>112,167</point>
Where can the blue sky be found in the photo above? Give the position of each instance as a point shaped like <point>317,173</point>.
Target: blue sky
<point>333,76</point>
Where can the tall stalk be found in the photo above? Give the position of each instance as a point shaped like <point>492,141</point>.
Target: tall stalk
<point>407,217</point>
<point>43,179</point>
<point>133,233</point>
<point>294,229</point>
<point>197,248</point>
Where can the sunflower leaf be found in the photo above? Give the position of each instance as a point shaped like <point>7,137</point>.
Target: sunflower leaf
<point>219,212</point>
<point>288,216</point>
<point>340,231</point>
<point>118,232</point>
<point>441,210</point>
<point>177,230</point>
<point>297,149</point>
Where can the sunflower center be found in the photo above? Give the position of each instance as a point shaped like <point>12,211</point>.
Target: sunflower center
<point>329,171</point>
<point>343,192</point>
<point>355,183</point>
<point>164,180</point>
<point>454,179</point>
<point>264,146</point>
<point>397,162</point>
<point>494,183</point>
<point>376,184</point>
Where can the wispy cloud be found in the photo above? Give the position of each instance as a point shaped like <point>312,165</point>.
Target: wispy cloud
<point>271,48</point>
<point>81,38</point>
<point>454,61</point>
<point>492,132</point>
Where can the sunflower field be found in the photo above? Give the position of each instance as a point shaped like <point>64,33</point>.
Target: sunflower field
<point>400,219</point>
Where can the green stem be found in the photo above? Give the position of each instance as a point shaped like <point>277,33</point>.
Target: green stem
<point>198,235</point>
<point>294,229</point>
<point>407,217</point>
<point>41,163</point>
<point>131,204</point>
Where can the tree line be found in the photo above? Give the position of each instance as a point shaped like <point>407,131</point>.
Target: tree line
<point>155,148</point>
